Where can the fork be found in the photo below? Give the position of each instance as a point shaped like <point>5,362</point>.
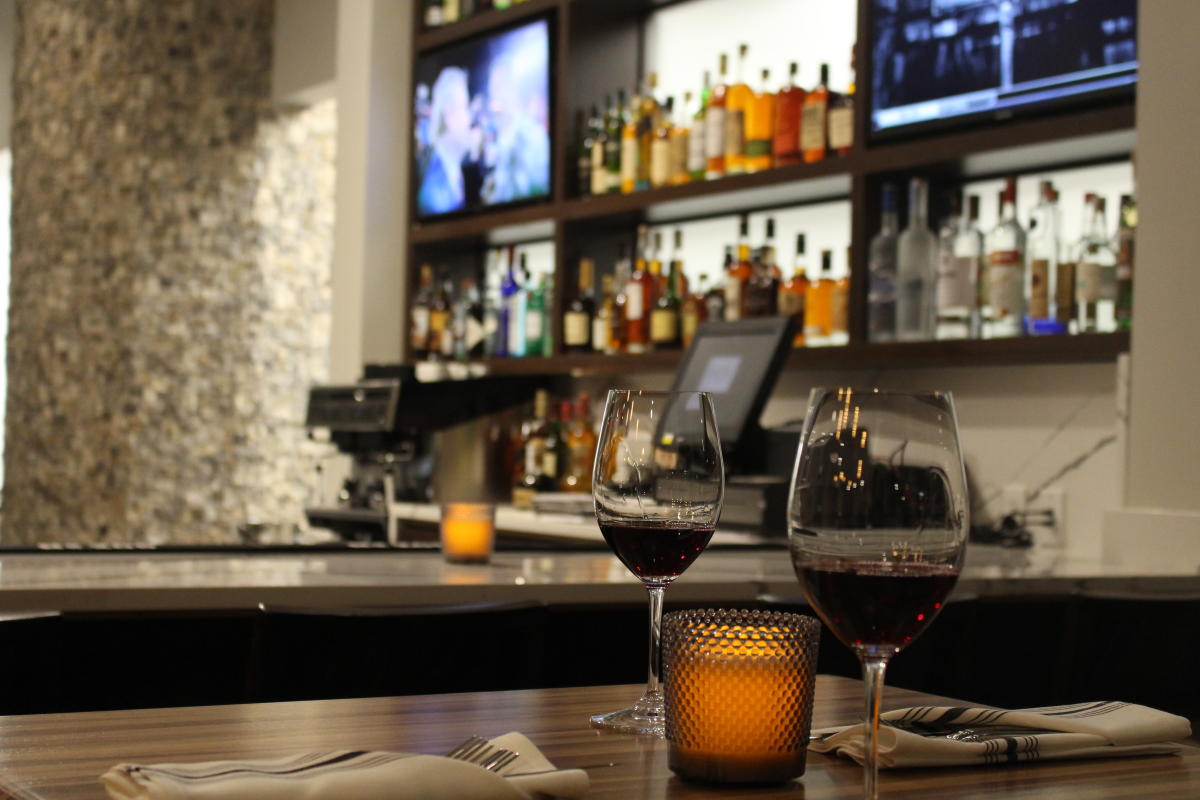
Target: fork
<point>479,751</point>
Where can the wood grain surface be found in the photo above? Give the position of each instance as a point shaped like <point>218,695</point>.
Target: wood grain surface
<point>59,756</point>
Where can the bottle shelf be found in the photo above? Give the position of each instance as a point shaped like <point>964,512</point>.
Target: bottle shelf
<point>1079,349</point>
<point>433,38</point>
<point>503,226</point>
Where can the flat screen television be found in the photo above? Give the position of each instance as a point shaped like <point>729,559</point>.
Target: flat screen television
<point>481,122</point>
<point>937,63</point>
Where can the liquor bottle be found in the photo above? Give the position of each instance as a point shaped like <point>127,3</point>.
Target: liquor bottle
<point>680,138</point>
<point>554,456</point>
<point>793,294</point>
<point>664,316</point>
<point>737,98</point>
<point>813,123</point>
<point>439,321</point>
<point>1126,238</point>
<point>629,146</point>
<point>602,320</point>
<point>693,312</point>
<point>769,255</point>
<point>1006,270</point>
<point>881,272</point>
<point>761,290</point>
<point>580,439</point>
<point>1095,274</point>
<point>536,432</point>
<point>960,262</point>
<point>677,263</point>
<point>612,144</point>
<point>419,320</point>
<point>583,169</point>
<point>788,104</point>
<point>714,124</point>
<point>491,304</point>
<point>515,294</point>
<point>1042,270</point>
<point>618,337</point>
<point>599,170</point>
<point>577,318</point>
<point>469,333</point>
<point>648,117</point>
<point>697,162</point>
<point>818,317</point>
<point>916,268</point>
<point>639,297</point>
<point>760,121</point>
<point>536,339</point>
<point>839,313</point>
<point>841,116</point>
<point>660,147</point>
<point>738,274</point>
<point>714,298</point>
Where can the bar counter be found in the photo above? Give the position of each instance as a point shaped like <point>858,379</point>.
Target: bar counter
<point>99,581</point>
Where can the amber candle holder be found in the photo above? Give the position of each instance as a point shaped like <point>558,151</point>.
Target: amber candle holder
<point>468,532</point>
<point>739,694</point>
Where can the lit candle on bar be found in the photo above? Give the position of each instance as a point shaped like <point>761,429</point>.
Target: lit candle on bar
<point>468,532</point>
<point>739,695</point>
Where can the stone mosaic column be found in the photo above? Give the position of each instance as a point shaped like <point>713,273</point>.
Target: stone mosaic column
<point>170,274</point>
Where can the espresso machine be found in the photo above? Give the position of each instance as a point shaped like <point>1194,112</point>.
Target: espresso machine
<point>390,424</point>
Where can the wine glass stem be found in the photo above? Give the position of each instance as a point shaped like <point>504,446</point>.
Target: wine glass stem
<point>654,671</point>
<point>873,670</point>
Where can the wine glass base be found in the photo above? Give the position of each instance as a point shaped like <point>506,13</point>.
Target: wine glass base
<point>632,720</point>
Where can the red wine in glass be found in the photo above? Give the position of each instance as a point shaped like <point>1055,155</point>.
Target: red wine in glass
<point>874,604</point>
<point>656,551</point>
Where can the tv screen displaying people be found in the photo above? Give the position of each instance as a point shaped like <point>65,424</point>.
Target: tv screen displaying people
<point>482,122</point>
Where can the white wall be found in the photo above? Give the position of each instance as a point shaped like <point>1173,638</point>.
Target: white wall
<point>304,64</point>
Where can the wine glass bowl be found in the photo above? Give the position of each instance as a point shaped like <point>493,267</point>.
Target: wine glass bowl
<point>878,521</point>
<point>658,483</point>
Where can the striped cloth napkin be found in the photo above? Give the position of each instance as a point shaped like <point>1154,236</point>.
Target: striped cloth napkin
<point>342,775</point>
<point>930,736</point>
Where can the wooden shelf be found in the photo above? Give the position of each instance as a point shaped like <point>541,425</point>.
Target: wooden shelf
<point>502,226</point>
<point>951,353</point>
<point>433,38</point>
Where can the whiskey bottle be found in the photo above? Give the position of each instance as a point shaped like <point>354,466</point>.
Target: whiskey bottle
<point>439,322</point>
<point>693,312</point>
<point>680,138</point>
<point>714,298</point>
<point>612,144</point>
<point>760,119</point>
<point>647,124</point>
<point>881,272</point>
<point>580,439</point>
<point>419,319</point>
<point>916,268</point>
<point>536,433</point>
<point>789,102</point>
<point>577,318</point>
<point>1006,269</point>
<point>660,148</point>
<point>1126,238</point>
<point>839,316</point>
<point>818,318</point>
<point>618,338</point>
<point>714,124</point>
<point>761,289</point>
<point>697,162</point>
<point>602,321</point>
<point>841,116</point>
<point>737,98</point>
<point>738,274</point>
<point>677,263</point>
<point>629,146</point>
<point>793,294</point>
<point>813,122</point>
<point>583,158</point>
<point>639,297</point>
<point>599,170</point>
<point>664,317</point>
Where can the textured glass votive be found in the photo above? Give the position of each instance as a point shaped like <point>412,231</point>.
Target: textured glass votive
<point>468,532</point>
<point>739,694</point>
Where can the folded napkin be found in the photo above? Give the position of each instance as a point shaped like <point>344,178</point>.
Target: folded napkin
<point>929,736</point>
<point>361,775</point>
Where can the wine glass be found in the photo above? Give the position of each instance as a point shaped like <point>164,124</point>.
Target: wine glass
<point>657,481</point>
<point>878,523</point>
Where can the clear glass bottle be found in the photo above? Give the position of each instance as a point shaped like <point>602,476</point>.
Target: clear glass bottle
<point>1126,238</point>
<point>916,268</point>
<point>714,124</point>
<point>960,251</point>
<point>1042,252</point>
<point>1006,270</point>
<point>697,164</point>
<point>881,272</point>
<point>1095,274</point>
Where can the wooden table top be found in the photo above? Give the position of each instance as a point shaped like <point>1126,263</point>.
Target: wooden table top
<point>60,756</point>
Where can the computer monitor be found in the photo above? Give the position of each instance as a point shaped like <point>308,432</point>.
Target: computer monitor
<point>738,364</point>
